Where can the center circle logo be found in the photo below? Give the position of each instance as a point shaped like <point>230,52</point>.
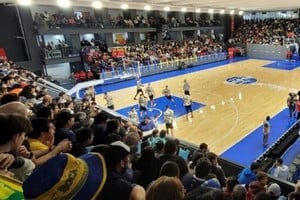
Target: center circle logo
<point>241,80</point>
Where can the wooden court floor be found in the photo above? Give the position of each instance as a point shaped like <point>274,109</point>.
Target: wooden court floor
<point>232,110</point>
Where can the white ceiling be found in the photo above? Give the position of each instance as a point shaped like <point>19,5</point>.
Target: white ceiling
<point>190,5</point>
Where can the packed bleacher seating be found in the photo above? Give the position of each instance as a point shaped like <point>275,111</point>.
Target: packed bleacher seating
<point>68,148</point>
<point>267,31</point>
<point>98,59</point>
<point>61,20</point>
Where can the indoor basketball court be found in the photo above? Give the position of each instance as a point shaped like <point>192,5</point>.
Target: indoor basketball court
<point>236,98</point>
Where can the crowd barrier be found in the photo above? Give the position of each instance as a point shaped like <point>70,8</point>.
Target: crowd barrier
<point>135,69</point>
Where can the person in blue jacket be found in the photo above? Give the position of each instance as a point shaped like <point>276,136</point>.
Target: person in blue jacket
<point>249,174</point>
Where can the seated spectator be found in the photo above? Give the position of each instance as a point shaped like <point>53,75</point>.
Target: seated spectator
<point>13,128</point>
<point>159,149</point>
<point>64,122</point>
<point>231,182</point>
<point>170,155</point>
<point>205,193</point>
<point>9,97</point>
<point>116,187</point>
<point>146,169</point>
<point>15,107</point>
<point>154,138</point>
<point>275,192</point>
<point>45,112</point>
<point>41,141</point>
<point>87,176</point>
<point>203,148</point>
<point>192,181</point>
<point>170,169</point>
<point>239,192</point>
<point>84,138</point>
<point>216,168</point>
<point>259,185</point>
<point>167,188</point>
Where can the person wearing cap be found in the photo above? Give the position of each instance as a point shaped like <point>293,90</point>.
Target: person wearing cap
<point>67,177</point>
<point>116,187</point>
<point>275,192</point>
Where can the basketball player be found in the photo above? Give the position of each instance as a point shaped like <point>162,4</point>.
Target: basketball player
<point>109,101</point>
<point>168,94</point>
<point>168,119</point>
<point>142,105</point>
<point>139,89</point>
<point>150,92</point>
<point>187,102</point>
<point>186,87</point>
<point>132,114</point>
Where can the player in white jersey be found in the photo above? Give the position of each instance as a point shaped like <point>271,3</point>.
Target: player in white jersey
<point>132,114</point>
<point>167,93</point>
<point>168,119</point>
<point>139,89</point>
<point>150,92</point>
<point>109,101</point>
<point>186,87</point>
<point>187,102</point>
<point>142,105</point>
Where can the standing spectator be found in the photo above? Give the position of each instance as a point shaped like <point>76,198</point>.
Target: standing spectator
<point>281,171</point>
<point>291,103</point>
<point>266,131</point>
<point>186,87</point>
<point>249,174</point>
<point>168,118</point>
<point>109,101</point>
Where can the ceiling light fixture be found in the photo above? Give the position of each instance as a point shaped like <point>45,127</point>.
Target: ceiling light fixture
<point>147,7</point>
<point>241,12</point>
<point>24,2</point>
<point>124,6</point>
<point>97,4</point>
<point>198,10</point>
<point>222,11</point>
<point>211,10</point>
<point>232,12</point>
<point>166,8</point>
<point>64,3</point>
<point>183,9</point>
